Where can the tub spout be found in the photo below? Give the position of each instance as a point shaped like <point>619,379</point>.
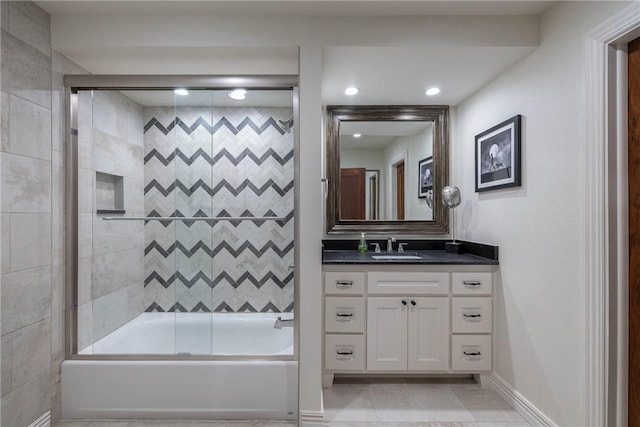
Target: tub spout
<point>282,323</point>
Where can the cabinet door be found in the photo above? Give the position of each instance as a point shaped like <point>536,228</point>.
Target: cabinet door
<point>386,334</point>
<point>428,337</point>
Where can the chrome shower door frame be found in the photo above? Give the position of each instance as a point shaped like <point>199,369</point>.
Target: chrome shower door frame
<point>75,83</point>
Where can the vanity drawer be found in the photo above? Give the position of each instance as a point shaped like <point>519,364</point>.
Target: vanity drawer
<point>471,353</point>
<point>471,315</point>
<point>479,283</point>
<point>343,283</point>
<point>344,352</point>
<point>408,283</point>
<point>344,314</point>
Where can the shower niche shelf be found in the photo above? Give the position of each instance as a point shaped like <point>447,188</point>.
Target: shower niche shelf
<point>109,193</point>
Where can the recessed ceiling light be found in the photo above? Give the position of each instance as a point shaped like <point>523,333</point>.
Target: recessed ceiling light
<point>357,135</point>
<point>181,92</point>
<point>238,94</point>
<point>352,90</point>
<point>432,91</point>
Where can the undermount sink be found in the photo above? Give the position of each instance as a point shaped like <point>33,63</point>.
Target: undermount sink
<point>397,256</point>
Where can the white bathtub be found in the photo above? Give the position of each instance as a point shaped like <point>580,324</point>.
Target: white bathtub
<point>227,334</point>
<point>186,389</point>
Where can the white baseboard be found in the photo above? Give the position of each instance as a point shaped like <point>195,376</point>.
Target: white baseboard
<point>311,418</point>
<point>43,420</point>
<point>526,409</point>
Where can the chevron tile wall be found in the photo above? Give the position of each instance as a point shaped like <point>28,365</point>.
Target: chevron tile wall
<point>220,162</point>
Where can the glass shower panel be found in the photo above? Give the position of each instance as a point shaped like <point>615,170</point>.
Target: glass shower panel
<point>152,277</point>
<point>253,173</point>
<point>110,188</point>
<point>193,241</point>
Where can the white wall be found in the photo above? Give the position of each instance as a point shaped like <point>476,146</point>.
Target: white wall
<point>540,226</point>
<point>416,147</point>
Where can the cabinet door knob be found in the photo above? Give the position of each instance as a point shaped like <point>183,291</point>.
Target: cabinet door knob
<point>404,302</point>
<point>413,302</point>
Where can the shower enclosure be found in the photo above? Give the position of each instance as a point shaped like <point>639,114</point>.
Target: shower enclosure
<point>180,238</point>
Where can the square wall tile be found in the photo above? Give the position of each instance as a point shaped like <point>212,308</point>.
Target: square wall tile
<point>30,241</point>
<point>31,24</point>
<point>85,325</point>
<point>84,280</point>
<point>5,362</point>
<point>25,404</point>
<point>30,129</point>
<point>57,336</point>
<point>116,270</point>
<point>4,12</point>
<point>31,352</point>
<point>26,184</point>
<point>109,313</point>
<point>5,248</point>
<point>85,236</point>
<point>57,183</point>
<point>26,72</point>
<point>26,298</point>
<point>4,121</point>
<point>110,113</point>
<point>86,186</point>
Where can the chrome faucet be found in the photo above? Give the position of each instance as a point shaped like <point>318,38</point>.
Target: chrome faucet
<point>283,323</point>
<point>390,242</point>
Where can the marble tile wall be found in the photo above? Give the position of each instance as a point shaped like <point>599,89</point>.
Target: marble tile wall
<point>218,162</point>
<point>28,267</point>
<point>110,252</point>
<point>33,113</point>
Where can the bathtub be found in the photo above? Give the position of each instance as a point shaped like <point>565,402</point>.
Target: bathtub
<point>224,334</point>
<point>263,386</point>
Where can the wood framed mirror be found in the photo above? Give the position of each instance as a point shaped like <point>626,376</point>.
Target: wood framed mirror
<point>408,148</point>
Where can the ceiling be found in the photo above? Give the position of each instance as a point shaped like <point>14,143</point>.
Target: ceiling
<point>298,7</point>
<point>385,74</point>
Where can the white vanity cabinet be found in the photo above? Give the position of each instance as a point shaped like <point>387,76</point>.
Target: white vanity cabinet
<point>471,321</point>
<point>407,319</point>
<point>407,333</point>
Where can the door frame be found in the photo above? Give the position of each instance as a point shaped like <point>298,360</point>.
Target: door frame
<point>606,221</point>
<point>392,201</point>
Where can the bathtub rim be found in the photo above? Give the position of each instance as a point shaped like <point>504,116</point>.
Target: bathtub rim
<point>180,357</point>
<point>201,356</point>
<point>211,357</point>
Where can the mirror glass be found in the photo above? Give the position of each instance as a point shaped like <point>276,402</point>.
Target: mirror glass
<point>372,194</point>
<point>397,151</point>
<point>384,166</point>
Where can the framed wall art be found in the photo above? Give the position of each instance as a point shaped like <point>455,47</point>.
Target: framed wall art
<point>498,156</point>
<point>425,176</point>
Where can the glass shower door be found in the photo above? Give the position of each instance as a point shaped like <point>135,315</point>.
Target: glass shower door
<point>193,239</point>
<point>185,222</point>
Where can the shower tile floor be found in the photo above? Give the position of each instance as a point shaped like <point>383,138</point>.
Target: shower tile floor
<point>381,403</point>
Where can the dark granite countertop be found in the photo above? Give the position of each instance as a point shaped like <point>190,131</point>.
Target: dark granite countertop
<point>429,251</point>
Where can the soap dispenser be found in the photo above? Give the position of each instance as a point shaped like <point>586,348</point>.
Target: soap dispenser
<point>362,246</point>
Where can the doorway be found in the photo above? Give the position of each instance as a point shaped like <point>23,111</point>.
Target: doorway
<point>400,190</point>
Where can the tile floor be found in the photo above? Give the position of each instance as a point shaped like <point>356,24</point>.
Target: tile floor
<point>416,402</point>
<point>382,403</point>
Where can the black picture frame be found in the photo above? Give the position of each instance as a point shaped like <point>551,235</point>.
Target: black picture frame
<point>425,176</point>
<point>497,156</point>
